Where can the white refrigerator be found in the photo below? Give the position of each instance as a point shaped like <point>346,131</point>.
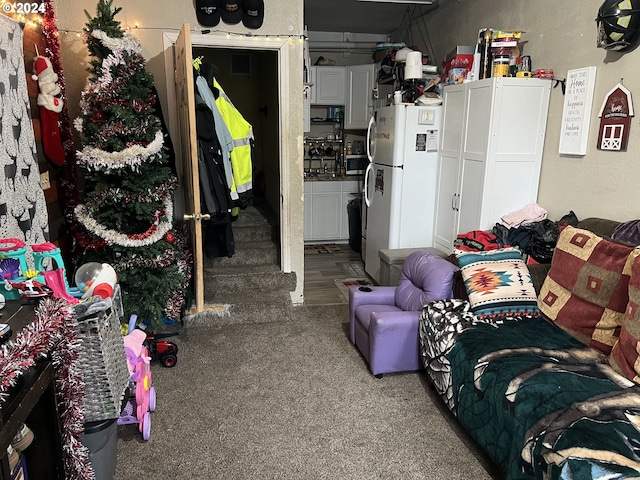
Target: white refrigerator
<point>400,180</point>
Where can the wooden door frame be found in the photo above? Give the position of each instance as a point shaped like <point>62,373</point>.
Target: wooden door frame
<point>224,41</point>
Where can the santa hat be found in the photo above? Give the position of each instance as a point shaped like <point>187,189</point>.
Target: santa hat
<point>42,65</point>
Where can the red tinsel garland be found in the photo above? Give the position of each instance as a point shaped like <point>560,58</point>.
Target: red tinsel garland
<point>69,180</point>
<point>52,333</point>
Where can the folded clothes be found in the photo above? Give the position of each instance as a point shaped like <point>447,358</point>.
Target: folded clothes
<point>529,214</point>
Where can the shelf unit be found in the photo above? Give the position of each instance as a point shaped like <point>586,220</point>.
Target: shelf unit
<point>325,152</point>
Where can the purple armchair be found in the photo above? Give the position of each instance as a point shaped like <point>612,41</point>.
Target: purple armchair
<point>384,320</point>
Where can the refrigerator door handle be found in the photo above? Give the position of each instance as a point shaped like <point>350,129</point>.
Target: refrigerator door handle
<point>367,200</point>
<point>370,154</point>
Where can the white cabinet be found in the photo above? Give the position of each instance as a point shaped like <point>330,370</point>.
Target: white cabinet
<point>328,85</point>
<point>308,198</point>
<point>325,209</point>
<point>491,153</point>
<point>360,94</point>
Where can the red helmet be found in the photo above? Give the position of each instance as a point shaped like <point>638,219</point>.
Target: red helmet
<point>618,25</point>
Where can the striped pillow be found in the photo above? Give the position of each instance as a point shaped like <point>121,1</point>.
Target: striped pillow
<point>498,283</point>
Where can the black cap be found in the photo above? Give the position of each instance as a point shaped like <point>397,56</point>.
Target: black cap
<point>231,12</point>
<point>252,13</point>
<point>208,12</point>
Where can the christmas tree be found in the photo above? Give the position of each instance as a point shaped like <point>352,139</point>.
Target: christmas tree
<point>127,213</point>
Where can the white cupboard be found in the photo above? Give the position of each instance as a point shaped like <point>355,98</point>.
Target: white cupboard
<point>360,94</point>
<point>328,85</point>
<point>325,209</point>
<point>491,153</point>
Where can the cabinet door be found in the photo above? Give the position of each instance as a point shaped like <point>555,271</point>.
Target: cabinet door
<point>329,85</point>
<point>326,216</point>
<point>449,167</point>
<point>359,101</point>
<point>308,216</point>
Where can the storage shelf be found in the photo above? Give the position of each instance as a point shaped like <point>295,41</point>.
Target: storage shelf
<point>323,141</point>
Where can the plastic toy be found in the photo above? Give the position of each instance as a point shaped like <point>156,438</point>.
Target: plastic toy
<point>95,278</point>
<point>142,395</point>
<point>164,351</point>
<point>21,281</point>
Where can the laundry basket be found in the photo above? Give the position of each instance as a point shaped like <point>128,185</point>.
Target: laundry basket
<point>102,361</point>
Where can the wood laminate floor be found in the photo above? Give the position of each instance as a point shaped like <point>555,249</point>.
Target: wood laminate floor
<point>322,269</point>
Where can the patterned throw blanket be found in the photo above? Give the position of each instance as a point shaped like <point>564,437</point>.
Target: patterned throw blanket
<point>539,402</point>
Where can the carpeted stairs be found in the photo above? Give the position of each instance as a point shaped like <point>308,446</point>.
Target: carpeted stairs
<point>249,287</point>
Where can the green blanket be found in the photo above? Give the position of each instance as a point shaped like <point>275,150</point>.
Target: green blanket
<point>539,402</point>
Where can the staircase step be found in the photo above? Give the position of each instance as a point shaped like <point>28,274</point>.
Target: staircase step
<point>255,224</point>
<point>227,278</point>
<point>243,308</point>
<point>243,233</point>
<point>247,253</point>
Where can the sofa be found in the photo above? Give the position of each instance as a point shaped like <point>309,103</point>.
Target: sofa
<point>544,376</point>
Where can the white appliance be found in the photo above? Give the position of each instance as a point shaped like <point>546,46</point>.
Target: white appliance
<point>400,180</point>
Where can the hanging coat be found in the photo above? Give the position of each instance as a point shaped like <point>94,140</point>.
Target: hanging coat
<point>214,191</point>
<point>242,133</point>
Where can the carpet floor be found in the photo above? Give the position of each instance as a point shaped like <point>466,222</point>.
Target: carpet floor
<point>291,400</point>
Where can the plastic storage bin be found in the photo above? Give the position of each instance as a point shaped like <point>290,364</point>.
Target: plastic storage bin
<point>101,438</point>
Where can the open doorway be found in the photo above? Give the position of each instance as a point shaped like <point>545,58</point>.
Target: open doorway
<point>250,80</point>
<point>277,66</point>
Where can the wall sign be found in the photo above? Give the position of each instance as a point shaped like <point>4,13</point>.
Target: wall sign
<point>576,114</point>
<point>615,119</point>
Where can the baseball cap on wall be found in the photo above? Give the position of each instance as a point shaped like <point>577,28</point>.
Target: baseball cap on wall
<point>208,12</point>
<point>232,12</point>
<point>252,13</point>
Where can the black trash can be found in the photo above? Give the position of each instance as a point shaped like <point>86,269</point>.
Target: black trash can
<point>101,438</point>
<point>355,224</point>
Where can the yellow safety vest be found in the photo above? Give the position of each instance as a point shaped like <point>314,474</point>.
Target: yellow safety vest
<point>242,133</point>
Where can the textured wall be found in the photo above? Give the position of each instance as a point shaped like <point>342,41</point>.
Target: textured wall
<point>284,17</point>
<point>560,36</point>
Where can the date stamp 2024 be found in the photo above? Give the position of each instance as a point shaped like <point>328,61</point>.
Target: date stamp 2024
<point>23,7</point>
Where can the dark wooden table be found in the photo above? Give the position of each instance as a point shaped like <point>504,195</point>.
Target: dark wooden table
<point>31,401</point>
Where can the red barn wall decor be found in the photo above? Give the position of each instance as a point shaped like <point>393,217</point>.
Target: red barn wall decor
<point>615,119</point>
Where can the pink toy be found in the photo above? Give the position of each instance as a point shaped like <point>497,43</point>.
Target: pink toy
<point>142,397</point>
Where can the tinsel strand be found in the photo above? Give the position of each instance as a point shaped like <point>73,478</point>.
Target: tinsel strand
<point>52,332</point>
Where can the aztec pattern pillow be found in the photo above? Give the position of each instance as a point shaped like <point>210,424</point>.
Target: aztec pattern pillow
<point>586,289</point>
<point>625,355</point>
<point>498,283</point>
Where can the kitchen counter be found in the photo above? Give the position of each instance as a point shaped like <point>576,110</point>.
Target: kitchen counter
<point>328,177</point>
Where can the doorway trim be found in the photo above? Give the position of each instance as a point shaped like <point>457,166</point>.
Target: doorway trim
<point>245,43</point>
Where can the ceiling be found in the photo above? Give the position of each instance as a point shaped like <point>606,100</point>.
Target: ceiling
<point>362,17</point>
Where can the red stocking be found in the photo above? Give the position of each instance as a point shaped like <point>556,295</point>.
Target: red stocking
<point>51,140</point>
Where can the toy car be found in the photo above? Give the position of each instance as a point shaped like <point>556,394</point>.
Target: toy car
<point>164,351</point>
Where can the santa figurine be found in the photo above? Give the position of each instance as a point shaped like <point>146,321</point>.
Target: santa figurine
<point>50,107</point>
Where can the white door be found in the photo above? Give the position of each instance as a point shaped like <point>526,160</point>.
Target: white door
<point>452,136</point>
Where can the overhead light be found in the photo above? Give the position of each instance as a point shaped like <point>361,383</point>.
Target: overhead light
<point>416,2</point>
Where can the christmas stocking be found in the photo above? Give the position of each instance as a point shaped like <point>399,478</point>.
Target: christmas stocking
<point>50,108</point>
<point>50,128</point>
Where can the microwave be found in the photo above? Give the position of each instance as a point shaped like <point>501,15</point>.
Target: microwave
<point>356,164</point>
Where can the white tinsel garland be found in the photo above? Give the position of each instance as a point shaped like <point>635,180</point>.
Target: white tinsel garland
<point>128,42</point>
<point>132,157</point>
<point>131,241</point>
